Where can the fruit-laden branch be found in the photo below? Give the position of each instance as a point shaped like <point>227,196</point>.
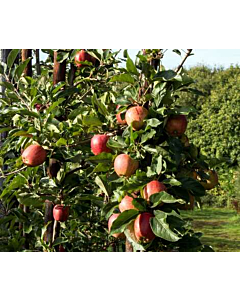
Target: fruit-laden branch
<point>184,59</point>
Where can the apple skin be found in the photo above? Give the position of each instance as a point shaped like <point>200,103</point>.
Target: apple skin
<point>98,144</point>
<point>153,187</point>
<point>142,228</point>
<point>126,203</point>
<point>135,116</point>
<point>124,165</point>
<point>34,155</point>
<point>119,119</point>
<point>61,248</point>
<point>176,125</point>
<point>60,213</point>
<point>212,181</point>
<point>82,55</point>
<point>110,221</point>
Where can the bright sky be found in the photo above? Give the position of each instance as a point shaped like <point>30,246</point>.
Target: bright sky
<point>209,57</point>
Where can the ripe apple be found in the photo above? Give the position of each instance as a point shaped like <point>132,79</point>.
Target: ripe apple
<point>81,56</point>
<point>34,155</point>
<point>142,228</point>
<point>38,106</point>
<point>110,221</point>
<point>124,165</point>
<point>119,118</point>
<point>135,116</point>
<point>211,182</point>
<point>126,203</point>
<point>60,213</point>
<point>61,248</point>
<point>176,125</point>
<point>98,144</point>
<point>153,187</point>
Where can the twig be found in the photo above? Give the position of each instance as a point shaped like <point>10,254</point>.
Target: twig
<point>14,172</point>
<point>184,59</point>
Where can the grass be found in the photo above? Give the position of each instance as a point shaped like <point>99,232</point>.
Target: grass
<point>220,228</point>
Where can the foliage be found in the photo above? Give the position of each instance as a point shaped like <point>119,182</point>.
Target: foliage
<point>70,113</point>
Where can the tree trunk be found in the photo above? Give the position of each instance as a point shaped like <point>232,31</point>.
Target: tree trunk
<point>128,246</point>
<point>59,70</point>
<point>26,53</point>
<point>38,68</point>
<point>48,217</point>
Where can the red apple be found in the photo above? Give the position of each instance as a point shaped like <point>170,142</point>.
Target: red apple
<point>119,118</point>
<point>110,221</point>
<point>61,248</point>
<point>60,213</point>
<point>34,155</point>
<point>142,228</point>
<point>176,125</point>
<point>126,203</point>
<point>83,56</point>
<point>124,165</point>
<point>135,116</point>
<point>98,144</point>
<point>153,187</point>
<point>38,106</point>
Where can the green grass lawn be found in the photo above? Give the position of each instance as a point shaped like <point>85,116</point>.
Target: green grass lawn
<point>220,227</point>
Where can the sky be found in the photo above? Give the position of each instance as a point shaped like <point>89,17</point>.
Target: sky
<point>209,57</point>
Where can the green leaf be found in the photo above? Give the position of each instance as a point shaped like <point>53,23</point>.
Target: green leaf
<point>4,129</point>
<point>159,165</point>
<point>123,78</point>
<point>11,57</point>
<point>101,158</point>
<point>55,104</point>
<point>161,228</point>
<point>19,70</point>
<point>101,168</point>
<point>100,183</point>
<point>16,183</point>
<point>163,197</point>
<point>30,199</point>
<point>192,185</point>
<point>91,121</point>
<point>123,220</point>
<point>131,66</point>
<point>61,56</point>
<point>25,112</point>
<point>61,142</point>
<point>140,203</point>
<point>7,85</point>
<point>167,75</point>
<point>148,135</point>
<point>108,209</point>
<point>119,144</point>
<point>59,241</point>
<point>153,122</point>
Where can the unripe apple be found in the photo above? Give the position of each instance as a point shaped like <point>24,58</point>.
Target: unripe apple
<point>126,203</point>
<point>142,228</point>
<point>98,144</point>
<point>135,116</point>
<point>176,125</point>
<point>119,118</point>
<point>81,56</point>
<point>153,187</point>
<point>184,139</point>
<point>34,155</point>
<point>110,221</point>
<point>60,213</point>
<point>124,165</point>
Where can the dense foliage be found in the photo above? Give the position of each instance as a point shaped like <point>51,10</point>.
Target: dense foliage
<point>63,117</point>
<point>215,127</point>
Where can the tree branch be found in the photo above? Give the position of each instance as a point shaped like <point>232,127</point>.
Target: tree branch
<point>184,59</point>
<point>14,172</point>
